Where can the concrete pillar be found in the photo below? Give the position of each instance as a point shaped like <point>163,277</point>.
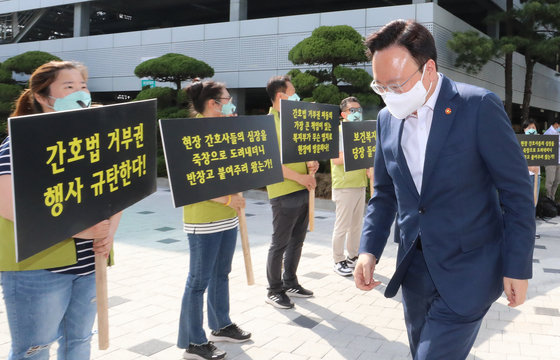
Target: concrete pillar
<point>15,24</point>
<point>81,19</point>
<point>237,10</point>
<point>239,96</point>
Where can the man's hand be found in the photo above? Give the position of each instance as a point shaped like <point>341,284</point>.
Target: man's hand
<point>312,166</point>
<point>516,291</point>
<point>363,272</point>
<point>308,181</point>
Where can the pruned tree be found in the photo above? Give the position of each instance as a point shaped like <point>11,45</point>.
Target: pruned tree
<point>27,62</point>
<point>174,68</point>
<point>337,48</point>
<point>535,35</point>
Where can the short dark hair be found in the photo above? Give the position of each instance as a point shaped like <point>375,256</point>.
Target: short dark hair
<point>409,34</point>
<point>528,122</point>
<point>344,102</point>
<point>277,84</point>
<point>201,91</point>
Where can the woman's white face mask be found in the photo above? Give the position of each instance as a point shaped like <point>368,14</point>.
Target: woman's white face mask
<point>404,104</point>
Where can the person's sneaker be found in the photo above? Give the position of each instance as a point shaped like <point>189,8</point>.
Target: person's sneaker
<point>204,352</point>
<point>298,291</point>
<point>231,333</point>
<point>351,262</point>
<point>279,300</point>
<point>342,269</point>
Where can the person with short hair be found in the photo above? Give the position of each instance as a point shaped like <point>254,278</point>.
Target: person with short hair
<point>448,160</point>
<point>211,228</point>
<point>349,195</point>
<point>290,212</point>
<point>50,296</point>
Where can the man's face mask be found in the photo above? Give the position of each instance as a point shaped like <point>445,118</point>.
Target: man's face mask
<point>294,97</point>
<point>355,114</point>
<point>76,100</point>
<point>404,104</point>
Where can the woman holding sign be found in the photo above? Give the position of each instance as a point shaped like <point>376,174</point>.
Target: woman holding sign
<point>211,228</point>
<point>51,295</point>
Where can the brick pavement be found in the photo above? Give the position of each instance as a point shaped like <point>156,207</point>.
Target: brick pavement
<point>340,322</point>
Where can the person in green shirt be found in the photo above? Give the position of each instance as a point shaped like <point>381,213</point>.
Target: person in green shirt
<point>290,212</point>
<point>50,296</point>
<point>211,228</point>
<point>348,193</point>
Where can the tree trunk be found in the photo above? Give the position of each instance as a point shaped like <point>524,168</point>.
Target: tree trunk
<point>529,66</point>
<point>333,77</point>
<point>509,65</point>
<point>178,83</point>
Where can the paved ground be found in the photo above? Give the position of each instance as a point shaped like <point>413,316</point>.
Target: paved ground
<point>340,322</point>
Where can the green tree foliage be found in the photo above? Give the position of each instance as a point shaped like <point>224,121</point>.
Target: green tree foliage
<point>27,62</point>
<point>165,96</point>
<point>535,35</point>
<point>169,104</point>
<point>337,48</point>
<point>5,75</point>
<point>473,50</point>
<point>174,68</point>
<point>330,45</point>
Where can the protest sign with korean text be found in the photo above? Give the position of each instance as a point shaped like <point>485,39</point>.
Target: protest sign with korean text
<point>539,150</point>
<point>308,131</point>
<point>359,139</point>
<point>73,169</point>
<point>212,157</point>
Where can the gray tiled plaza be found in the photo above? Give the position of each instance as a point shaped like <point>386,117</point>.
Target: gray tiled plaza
<point>340,322</point>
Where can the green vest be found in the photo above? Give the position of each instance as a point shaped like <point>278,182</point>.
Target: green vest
<point>347,179</point>
<point>61,254</point>
<point>287,186</point>
<point>206,212</point>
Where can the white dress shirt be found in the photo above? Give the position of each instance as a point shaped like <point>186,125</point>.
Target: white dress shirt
<point>415,136</point>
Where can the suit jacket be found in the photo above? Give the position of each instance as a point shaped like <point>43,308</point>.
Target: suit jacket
<point>475,214</point>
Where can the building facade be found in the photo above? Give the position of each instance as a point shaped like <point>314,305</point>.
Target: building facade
<point>245,44</point>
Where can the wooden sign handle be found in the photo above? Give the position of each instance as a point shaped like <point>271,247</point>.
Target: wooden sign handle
<point>312,210</point>
<point>536,188</point>
<point>245,245</point>
<point>312,206</point>
<point>102,301</point>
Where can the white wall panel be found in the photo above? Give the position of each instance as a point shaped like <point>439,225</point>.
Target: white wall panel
<point>222,55</point>
<point>258,53</point>
<point>247,53</point>
<point>187,33</point>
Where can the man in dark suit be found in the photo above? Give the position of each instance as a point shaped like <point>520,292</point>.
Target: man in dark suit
<point>449,165</point>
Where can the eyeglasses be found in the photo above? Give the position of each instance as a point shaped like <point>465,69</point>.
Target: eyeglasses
<point>355,110</point>
<point>394,88</point>
<point>228,98</point>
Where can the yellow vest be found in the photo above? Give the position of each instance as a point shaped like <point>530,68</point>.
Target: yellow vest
<point>207,211</point>
<point>61,254</point>
<point>287,186</point>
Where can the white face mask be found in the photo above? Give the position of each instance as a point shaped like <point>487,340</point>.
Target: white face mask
<point>402,105</point>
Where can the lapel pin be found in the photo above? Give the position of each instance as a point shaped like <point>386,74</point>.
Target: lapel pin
<point>448,111</point>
